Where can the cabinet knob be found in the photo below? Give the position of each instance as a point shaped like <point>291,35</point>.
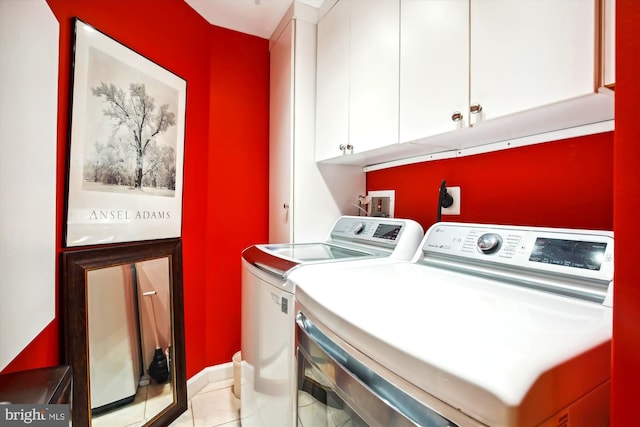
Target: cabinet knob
<point>346,148</point>
<point>456,116</point>
<point>475,108</point>
<point>286,206</point>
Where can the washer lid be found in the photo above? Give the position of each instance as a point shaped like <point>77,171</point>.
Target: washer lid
<point>280,259</point>
<point>310,252</point>
<point>504,355</point>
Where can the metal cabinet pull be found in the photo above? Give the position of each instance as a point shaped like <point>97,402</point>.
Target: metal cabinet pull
<point>286,206</point>
<point>346,149</point>
<point>456,116</point>
<point>475,108</point>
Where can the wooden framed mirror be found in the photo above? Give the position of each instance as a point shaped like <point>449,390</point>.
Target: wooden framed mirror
<point>123,318</point>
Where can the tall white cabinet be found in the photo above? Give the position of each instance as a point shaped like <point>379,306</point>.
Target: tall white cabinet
<point>305,198</point>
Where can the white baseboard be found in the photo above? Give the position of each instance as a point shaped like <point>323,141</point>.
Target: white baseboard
<point>209,375</point>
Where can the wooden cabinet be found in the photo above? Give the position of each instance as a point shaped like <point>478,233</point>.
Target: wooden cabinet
<point>305,198</point>
<point>357,81</point>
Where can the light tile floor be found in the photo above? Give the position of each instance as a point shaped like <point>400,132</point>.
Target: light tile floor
<point>216,406</point>
<point>213,406</point>
<point>148,402</point>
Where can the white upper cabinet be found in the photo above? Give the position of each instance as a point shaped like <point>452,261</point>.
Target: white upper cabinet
<point>434,67</point>
<point>530,53</point>
<point>374,73</point>
<point>447,76</point>
<point>332,86</point>
<point>357,80</point>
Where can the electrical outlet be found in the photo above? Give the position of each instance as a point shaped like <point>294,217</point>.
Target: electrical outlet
<point>454,209</point>
<point>380,206</point>
<point>382,203</point>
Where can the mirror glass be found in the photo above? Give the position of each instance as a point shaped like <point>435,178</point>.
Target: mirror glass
<point>124,334</point>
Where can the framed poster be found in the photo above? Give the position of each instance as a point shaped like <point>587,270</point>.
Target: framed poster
<point>126,146</point>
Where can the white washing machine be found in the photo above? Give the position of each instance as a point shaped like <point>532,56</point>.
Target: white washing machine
<point>268,393</point>
<point>488,325</point>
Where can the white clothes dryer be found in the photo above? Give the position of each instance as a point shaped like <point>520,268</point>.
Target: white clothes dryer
<point>497,326</point>
<point>268,393</point>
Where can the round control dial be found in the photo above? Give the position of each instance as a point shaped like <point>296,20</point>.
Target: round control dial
<point>489,243</point>
<point>359,228</point>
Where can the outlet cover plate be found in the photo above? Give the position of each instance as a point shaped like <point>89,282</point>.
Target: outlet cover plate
<point>454,209</point>
<point>382,194</point>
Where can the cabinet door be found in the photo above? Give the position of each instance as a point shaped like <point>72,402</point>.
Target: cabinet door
<point>434,66</point>
<point>280,137</point>
<point>374,74</point>
<point>530,53</point>
<point>332,88</point>
<point>609,41</point>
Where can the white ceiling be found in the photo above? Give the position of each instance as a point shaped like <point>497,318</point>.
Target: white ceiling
<point>256,17</point>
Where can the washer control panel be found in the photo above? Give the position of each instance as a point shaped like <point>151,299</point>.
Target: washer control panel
<point>368,228</point>
<point>489,243</point>
<point>396,237</point>
<point>359,228</point>
<point>584,253</point>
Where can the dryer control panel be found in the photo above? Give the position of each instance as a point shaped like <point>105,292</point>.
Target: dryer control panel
<point>585,254</point>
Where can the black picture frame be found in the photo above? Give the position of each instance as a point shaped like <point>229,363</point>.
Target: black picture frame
<point>126,144</point>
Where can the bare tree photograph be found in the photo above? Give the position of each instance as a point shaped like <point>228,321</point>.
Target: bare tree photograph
<point>126,144</point>
<point>130,146</point>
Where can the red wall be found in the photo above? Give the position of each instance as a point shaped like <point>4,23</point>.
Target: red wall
<point>225,196</point>
<point>626,313</point>
<point>238,198</point>
<point>566,183</point>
